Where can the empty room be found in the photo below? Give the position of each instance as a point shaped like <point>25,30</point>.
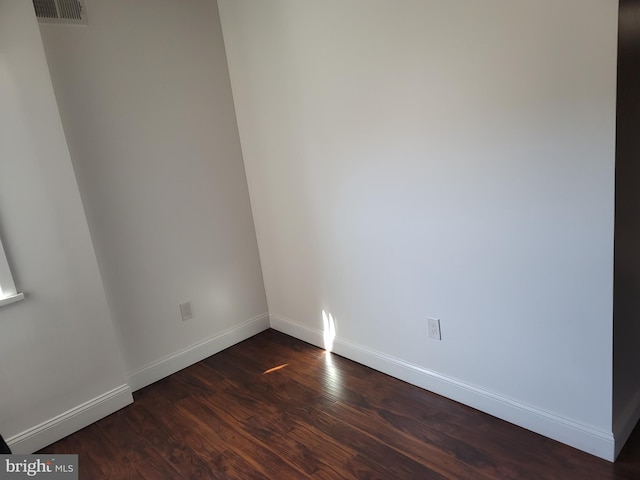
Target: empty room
<point>321,238</point>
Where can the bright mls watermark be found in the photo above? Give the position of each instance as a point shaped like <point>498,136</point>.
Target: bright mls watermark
<point>52,467</point>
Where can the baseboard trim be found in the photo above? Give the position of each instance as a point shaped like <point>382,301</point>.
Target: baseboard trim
<point>626,423</point>
<point>583,437</point>
<point>71,421</point>
<point>186,357</point>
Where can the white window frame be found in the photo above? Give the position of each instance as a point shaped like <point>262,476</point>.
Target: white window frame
<point>8,292</point>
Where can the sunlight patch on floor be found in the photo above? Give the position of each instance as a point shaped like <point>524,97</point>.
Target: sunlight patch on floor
<point>275,369</point>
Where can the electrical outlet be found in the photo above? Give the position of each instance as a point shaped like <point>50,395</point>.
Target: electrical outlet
<point>185,311</point>
<point>433,324</point>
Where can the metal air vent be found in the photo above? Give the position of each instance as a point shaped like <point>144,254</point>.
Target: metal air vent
<point>68,12</point>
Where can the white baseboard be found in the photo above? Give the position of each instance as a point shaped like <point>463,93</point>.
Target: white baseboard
<point>71,421</point>
<point>626,423</point>
<point>188,356</point>
<point>89,412</point>
<point>583,437</point>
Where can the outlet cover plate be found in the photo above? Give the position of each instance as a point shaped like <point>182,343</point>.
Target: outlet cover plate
<point>433,324</point>
<point>185,311</point>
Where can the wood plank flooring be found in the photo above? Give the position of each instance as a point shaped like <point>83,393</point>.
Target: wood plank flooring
<point>273,407</point>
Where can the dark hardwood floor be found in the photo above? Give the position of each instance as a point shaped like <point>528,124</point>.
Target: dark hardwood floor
<point>273,407</point>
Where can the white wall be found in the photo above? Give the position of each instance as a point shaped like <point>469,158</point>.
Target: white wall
<point>58,354</point>
<point>146,104</point>
<point>441,158</point>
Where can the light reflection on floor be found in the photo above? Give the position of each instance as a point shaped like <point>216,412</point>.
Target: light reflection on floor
<point>275,369</point>
<point>332,375</point>
<point>333,378</point>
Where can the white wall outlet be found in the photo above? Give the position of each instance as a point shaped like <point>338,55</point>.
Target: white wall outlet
<point>185,311</point>
<point>433,324</point>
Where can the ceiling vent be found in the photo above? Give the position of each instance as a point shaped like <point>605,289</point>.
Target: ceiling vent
<point>67,12</point>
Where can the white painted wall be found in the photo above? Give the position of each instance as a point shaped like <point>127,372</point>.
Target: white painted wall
<point>57,347</point>
<point>440,158</point>
<point>146,104</point>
